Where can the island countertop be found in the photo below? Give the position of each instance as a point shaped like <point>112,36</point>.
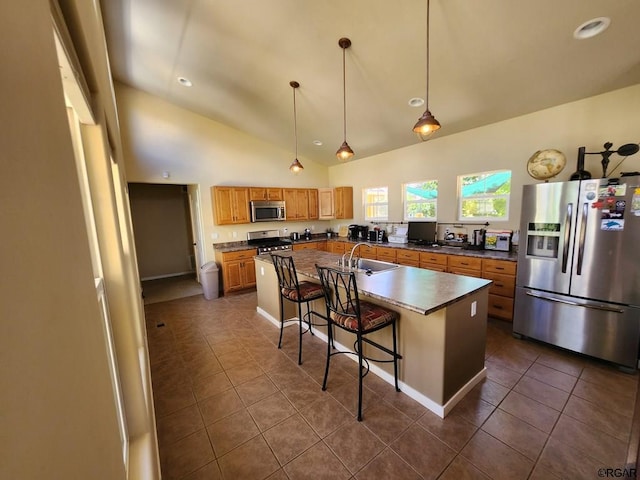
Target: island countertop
<point>416,289</point>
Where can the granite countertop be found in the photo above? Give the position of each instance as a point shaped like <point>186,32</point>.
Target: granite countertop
<point>416,289</point>
<point>510,256</point>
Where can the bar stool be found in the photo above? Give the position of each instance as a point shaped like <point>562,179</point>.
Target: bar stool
<point>297,292</point>
<point>346,311</point>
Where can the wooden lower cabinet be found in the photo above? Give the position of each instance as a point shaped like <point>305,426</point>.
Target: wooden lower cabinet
<point>433,261</point>
<point>336,247</point>
<point>408,257</point>
<point>386,254</point>
<point>306,246</point>
<point>238,270</point>
<point>502,290</point>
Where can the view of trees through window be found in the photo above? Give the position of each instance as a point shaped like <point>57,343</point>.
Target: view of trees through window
<point>420,200</point>
<point>484,195</point>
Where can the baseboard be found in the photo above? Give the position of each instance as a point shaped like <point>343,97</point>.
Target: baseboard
<point>168,275</point>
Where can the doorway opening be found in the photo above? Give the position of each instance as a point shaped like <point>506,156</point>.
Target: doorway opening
<point>167,228</point>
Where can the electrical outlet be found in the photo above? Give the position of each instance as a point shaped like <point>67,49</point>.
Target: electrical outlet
<point>474,308</point>
<point>234,234</point>
<point>214,236</point>
<point>262,271</point>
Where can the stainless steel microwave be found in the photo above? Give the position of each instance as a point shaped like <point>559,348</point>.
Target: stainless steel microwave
<point>268,211</point>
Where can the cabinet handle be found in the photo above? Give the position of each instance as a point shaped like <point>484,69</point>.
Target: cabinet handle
<point>497,307</point>
<point>464,263</point>
<point>499,268</point>
<point>498,284</point>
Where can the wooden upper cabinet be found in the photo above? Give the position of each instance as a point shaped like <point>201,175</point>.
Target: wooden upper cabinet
<point>230,204</point>
<point>313,203</point>
<point>297,203</point>
<point>265,193</point>
<point>326,204</point>
<point>343,198</point>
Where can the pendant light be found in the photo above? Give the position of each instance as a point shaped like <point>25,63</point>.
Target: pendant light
<point>427,123</point>
<point>296,166</point>
<point>344,153</point>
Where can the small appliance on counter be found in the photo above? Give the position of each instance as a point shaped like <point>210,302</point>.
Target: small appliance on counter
<point>497,240</point>
<point>358,232</point>
<point>399,235</point>
<point>307,234</point>
<point>295,236</point>
<point>377,235</point>
<point>476,241</point>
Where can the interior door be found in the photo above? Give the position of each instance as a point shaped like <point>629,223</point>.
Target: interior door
<point>196,226</point>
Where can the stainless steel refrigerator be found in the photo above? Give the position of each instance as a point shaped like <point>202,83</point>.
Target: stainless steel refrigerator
<point>578,282</point>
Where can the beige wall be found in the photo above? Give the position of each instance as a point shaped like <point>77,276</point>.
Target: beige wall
<point>158,136</point>
<point>57,413</point>
<point>591,122</point>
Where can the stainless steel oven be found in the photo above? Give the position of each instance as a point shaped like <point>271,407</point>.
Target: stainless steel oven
<point>268,211</point>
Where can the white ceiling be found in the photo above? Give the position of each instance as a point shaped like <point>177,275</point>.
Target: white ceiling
<point>490,60</point>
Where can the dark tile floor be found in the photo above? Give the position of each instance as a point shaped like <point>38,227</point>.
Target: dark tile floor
<point>230,405</point>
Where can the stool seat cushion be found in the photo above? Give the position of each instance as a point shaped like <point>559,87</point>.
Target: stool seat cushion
<point>308,291</point>
<point>372,316</point>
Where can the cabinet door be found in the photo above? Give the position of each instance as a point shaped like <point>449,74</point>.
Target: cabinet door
<point>248,273</point>
<point>222,199</point>
<point>296,201</point>
<point>408,257</point>
<point>232,276</point>
<point>257,193</point>
<point>465,263</point>
<point>344,202</point>
<point>275,194</point>
<point>241,205</point>
<point>326,207</point>
<point>305,246</point>
<point>312,204</point>
<point>336,247</point>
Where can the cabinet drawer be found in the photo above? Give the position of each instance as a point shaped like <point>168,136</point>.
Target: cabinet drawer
<point>336,247</point>
<point>365,251</point>
<point>464,271</point>
<point>306,246</point>
<point>408,255</point>
<point>386,254</point>
<point>503,285</point>
<point>499,266</point>
<point>239,255</point>
<point>500,307</point>
<point>433,258</point>
<point>433,266</point>
<point>468,263</point>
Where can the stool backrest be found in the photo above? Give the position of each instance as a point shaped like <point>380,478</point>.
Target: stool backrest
<point>286,271</point>
<point>340,292</point>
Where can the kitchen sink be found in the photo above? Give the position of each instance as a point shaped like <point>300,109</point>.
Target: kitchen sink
<point>369,267</point>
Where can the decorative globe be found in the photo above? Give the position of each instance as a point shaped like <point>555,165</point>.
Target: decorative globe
<point>546,164</point>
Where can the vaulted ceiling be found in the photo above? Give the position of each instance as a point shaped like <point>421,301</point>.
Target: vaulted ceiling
<point>489,60</point>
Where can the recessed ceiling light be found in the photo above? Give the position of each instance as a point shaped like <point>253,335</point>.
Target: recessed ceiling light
<point>317,143</point>
<point>416,102</point>
<point>185,82</point>
<point>591,28</point>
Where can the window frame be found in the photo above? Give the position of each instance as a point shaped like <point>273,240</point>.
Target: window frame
<point>366,191</point>
<point>484,196</point>
<point>406,202</point>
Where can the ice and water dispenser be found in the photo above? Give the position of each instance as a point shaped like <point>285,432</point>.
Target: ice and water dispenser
<point>543,240</point>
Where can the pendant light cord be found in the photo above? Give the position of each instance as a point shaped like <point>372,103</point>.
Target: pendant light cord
<point>344,95</point>
<point>426,97</point>
<point>295,121</point>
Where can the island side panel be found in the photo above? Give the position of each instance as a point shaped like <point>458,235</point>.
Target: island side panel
<point>465,342</point>
<point>268,291</point>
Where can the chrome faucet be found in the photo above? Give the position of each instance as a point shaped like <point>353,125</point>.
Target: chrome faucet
<point>351,265</point>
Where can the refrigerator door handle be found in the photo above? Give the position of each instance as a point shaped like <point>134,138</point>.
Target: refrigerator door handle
<point>583,235</point>
<point>567,233</point>
<point>569,302</point>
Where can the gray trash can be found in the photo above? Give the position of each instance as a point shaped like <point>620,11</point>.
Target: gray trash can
<point>209,280</point>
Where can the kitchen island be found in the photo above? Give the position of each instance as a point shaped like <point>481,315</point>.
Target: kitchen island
<point>441,329</point>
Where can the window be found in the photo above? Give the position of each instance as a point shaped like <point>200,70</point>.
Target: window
<point>420,200</point>
<point>484,196</point>
<point>376,203</point>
